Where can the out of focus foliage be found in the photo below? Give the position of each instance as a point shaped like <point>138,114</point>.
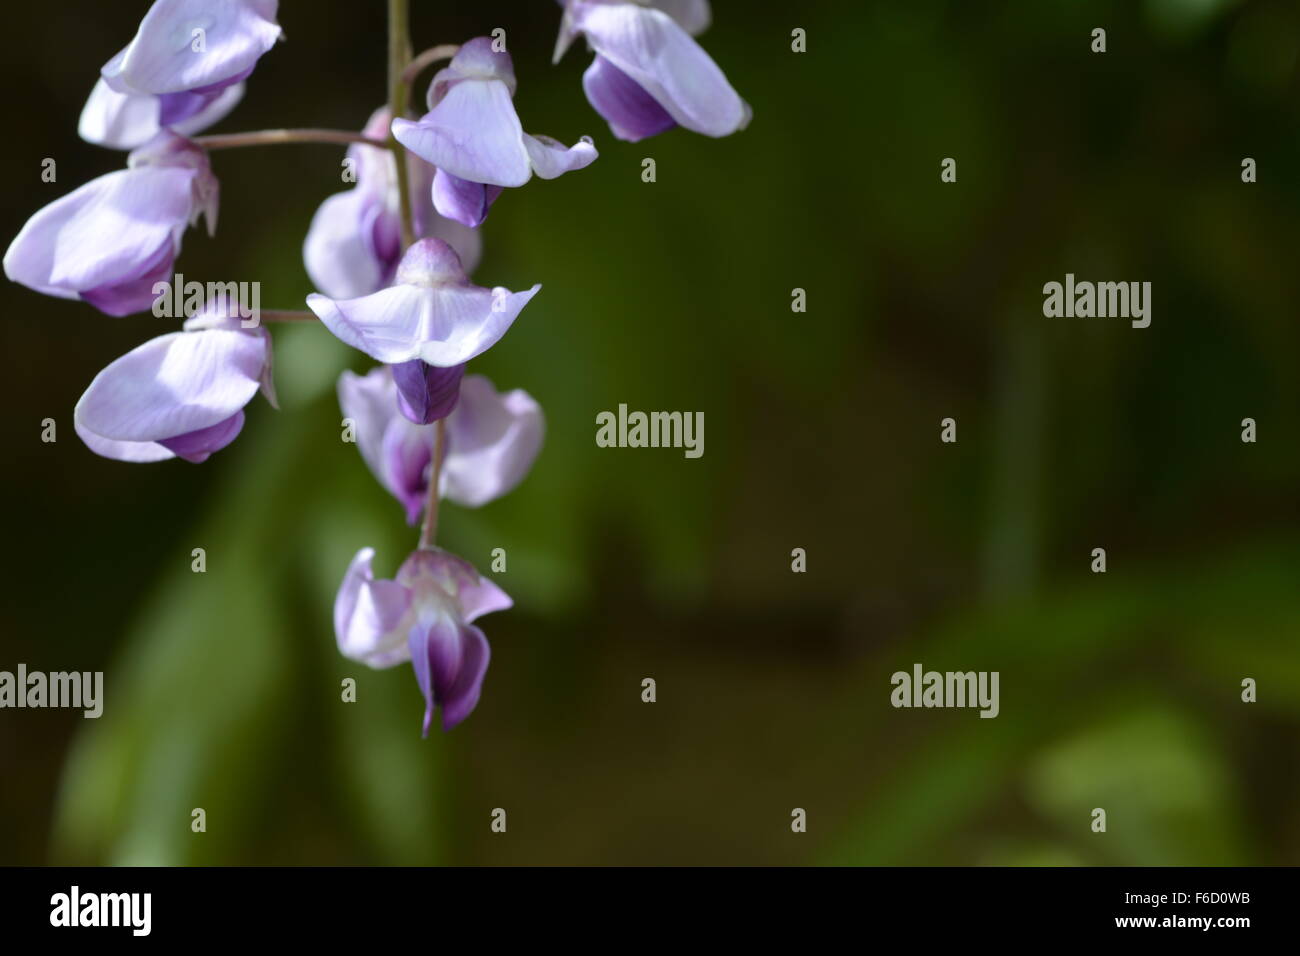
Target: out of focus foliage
<point>1119,690</point>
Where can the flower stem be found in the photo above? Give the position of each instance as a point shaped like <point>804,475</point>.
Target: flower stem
<point>429,530</point>
<point>430,56</point>
<point>269,137</point>
<point>399,55</point>
<point>287,315</point>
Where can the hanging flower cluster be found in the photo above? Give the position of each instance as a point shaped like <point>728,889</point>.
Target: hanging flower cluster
<point>391,258</point>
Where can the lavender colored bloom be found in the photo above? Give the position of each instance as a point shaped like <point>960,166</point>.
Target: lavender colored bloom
<point>491,440</point>
<point>426,615</point>
<point>179,395</point>
<point>354,243</point>
<point>128,120</point>
<point>171,75</point>
<point>432,313</point>
<point>473,137</point>
<point>110,241</point>
<point>649,75</point>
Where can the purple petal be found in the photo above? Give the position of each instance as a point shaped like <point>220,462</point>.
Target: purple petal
<point>432,314</point>
<point>197,446</point>
<point>170,387</point>
<point>115,230</point>
<point>693,16</point>
<point>492,441</point>
<point>129,120</point>
<point>436,653</point>
<point>161,58</point>
<point>660,57</point>
<point>368,614</point>
<point>339,251</point>
<point>551,158</point>
<point>475,60</point>
<point>405,456</point>
<point>462,696</point>
<point>370,401</point>
<point>426,393</point>
<point>461,200</point>
<point>473,133</point>
<point>631,112</point>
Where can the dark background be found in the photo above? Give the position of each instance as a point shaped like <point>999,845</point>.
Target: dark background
<point>1119,691</point>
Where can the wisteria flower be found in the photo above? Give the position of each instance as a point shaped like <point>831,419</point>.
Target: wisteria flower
<point>128,120</point>
<point>179,70</point>
<point>649,75</point>
<point>426,615</point>
<point>491,440</point>
<point>110,241</point>
<point>354,243</point>
<point>181,395</point>
<point>432,313</point>
<point>472,135</point>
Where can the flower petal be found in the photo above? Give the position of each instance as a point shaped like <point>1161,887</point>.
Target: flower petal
<point>370,401</point>
<point>462,696</point>
<point>405,456</point>
<point>174,385</point>
<point>426,393</point>
<point>436,651</point>
<point>162,58</point>
<point>473,133</point>
<point>198,445</point>
<point>339,251</point>
<point>492,441</point>
<point>443,325</point>
<point>693,16</point>
<point>110,231</point>
<point>368,614</point>
<point>551,158</point>
<point>631,112</point>
<point>659,56</point>
<point>462,201</point>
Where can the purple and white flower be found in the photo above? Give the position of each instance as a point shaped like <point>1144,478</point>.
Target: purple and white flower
<point>472,135</point>
<point>181,395</point>
<point>491,440</point>
<point>432,313</point>
<point>649,75</point>
<point>354,243</point>
<point>110,241</point>
<point>184,70</point>
<point>426,615</point>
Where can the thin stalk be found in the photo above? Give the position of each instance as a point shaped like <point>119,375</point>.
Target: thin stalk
<point>399,56</point>
<point>272,137</point>
<point>429,530</point>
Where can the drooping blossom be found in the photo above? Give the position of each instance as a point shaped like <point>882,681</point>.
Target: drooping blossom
<point>128,120</point>
<point>181,395</point>
<point>649,75</point>
<point>432,313</point>
<point>173,76</point>
<point>426,615</point>
<point>354,243</point>
<point>473,137</point>
<point>490,443</point>
<point>110,241</point>
<point>184,70</point>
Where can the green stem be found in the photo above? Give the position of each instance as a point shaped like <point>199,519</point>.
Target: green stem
<point>399,56</point>
<point>429,530</point>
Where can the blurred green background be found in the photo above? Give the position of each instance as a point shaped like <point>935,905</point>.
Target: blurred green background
<point>822,432</point>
